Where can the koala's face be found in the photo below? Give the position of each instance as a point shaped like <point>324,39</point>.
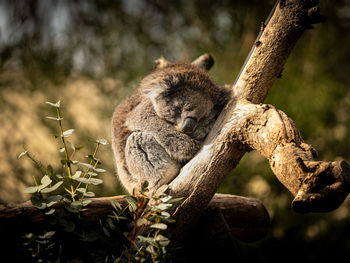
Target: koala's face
<point>184,96</point>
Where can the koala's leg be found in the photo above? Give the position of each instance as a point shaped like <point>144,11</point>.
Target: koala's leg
<point>148,161</point>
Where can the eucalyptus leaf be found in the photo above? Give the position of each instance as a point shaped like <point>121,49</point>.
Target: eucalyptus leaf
<point>38,203</point>
<point>163,206</point>
<point>56,105</point>
<point>76,175</point>
<point>86,202</point>
<point>31,189</point>
<point>99,170</point>
<point>51,189</point>
<point>89,194</point>
<point>68,133</point>
<point>46,180</point>
<point>50,212</point>
<point>87,165</point>
<point>162,240</point>
<point>54,118</point>
<point>22,154</point>
<point>132,201</point>
<point>47,235</point>
<point>141,222</point>
<point>160,226</point>
<point>95,181</point>
<point>102,141</point>
<point>54,198</point>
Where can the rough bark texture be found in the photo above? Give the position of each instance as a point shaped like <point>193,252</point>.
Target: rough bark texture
<point>243,124</point>
<point>244,218</point>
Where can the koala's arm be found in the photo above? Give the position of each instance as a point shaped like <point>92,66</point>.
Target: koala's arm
<point>179,146</point>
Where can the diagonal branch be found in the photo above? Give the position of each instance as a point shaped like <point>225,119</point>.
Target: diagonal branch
<point>227,142</point>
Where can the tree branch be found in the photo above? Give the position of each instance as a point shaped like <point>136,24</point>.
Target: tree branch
<point>229,140</point>
<point>246,218</point>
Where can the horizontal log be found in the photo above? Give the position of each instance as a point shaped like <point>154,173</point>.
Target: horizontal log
<point>246,218</point>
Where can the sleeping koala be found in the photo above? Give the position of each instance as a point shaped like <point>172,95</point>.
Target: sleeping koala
<point>163,123</point>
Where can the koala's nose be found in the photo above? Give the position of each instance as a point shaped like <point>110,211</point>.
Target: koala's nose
<point>188,125</point>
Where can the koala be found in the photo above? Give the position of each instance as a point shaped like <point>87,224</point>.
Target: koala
<point>163,123</point>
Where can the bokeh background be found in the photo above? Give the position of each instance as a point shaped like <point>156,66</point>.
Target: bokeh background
<point>91,54</point>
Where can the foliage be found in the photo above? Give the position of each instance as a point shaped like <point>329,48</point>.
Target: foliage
<point>91,54</point>
<point>131,234</point>
<point>146,220</point>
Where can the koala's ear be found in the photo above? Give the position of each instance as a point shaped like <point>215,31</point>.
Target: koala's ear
<point>161,63</point>
<point>154,90</point>
<point>205,61</point>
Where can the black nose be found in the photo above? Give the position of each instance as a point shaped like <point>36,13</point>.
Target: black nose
<point>189,124</point>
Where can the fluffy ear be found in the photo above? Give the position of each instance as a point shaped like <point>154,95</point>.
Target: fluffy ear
<point>161,63</point>
<point>154,89</point>
<point>205,61</point>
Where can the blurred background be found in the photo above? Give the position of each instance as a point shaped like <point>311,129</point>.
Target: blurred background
<point>91,54</point>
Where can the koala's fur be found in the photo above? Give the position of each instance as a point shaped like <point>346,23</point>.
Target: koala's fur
<point>163,124</point>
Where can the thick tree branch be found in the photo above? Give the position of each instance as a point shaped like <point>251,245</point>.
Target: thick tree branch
<point>229,140</point>
<point>246,218</point>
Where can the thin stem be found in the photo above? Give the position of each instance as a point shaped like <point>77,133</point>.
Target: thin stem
<point>64,144</point>
<point>82,197</point>
<point>69,169</point>
<point>88,169</point>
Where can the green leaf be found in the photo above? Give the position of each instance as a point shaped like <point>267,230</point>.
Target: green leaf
<point>162,240</point>
<point>31,189</point>
<point>54,118</point>
<point>163,206</point>
<point>68,133</point>
<point>22,154</point>
<point>51,189</point>
<point>87,165</point>
<point>38,203</point>
<point>141,222</point>
<point>50,212</point>
<point>47,235</point>
<point>132,201</point>
<point>102,141</point>
<point>116,205</point>
<point>56,105</point>
<point>86,202</point>
<point>54,198</point>
<point>95,181</point>
<point>160,226</point>
<point>45,181</point>
<point>99,170</point>
<point>76,205</point>
<point>89,194</point>
<point>76,175</point>
<point>165,215</point>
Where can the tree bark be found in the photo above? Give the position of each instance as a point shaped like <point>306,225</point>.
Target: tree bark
<point>244,218</point>
<point>245,125</point>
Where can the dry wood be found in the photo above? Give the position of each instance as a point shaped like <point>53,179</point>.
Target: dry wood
<point>244,125</point>
<point>246,218</point>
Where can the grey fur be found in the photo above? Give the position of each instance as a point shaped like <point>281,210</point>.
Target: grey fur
<point>163,124</point>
